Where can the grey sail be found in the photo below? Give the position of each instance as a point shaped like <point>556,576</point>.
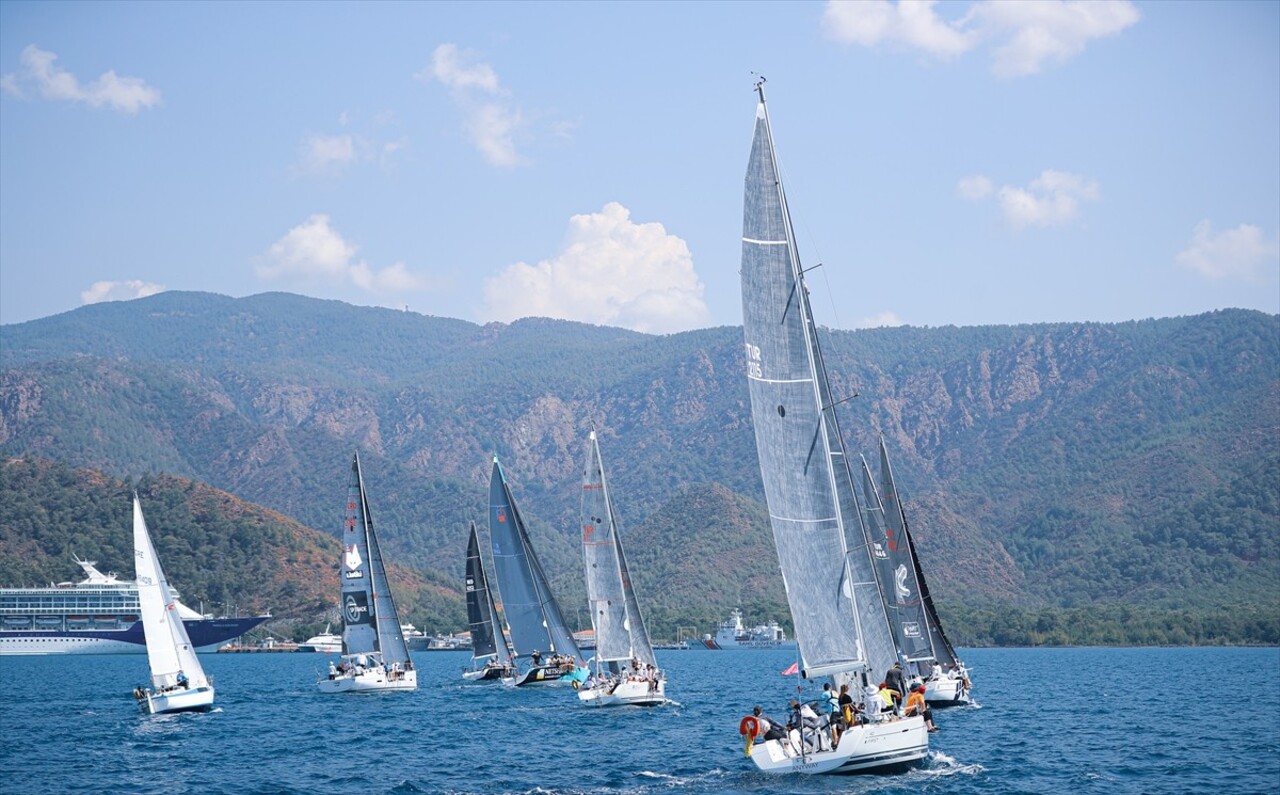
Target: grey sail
<point>532,613</point>
<point>901,547</point>
<point>840,625</point>
<point>615,612</point>
<point>487,638</point>
<point>897,577</point>
<point>369,619</point>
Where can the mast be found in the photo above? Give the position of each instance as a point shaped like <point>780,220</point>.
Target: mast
<point>831,586</point>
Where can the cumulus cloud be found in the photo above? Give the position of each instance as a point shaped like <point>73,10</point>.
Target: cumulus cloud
<point>314,254</point>
<point>1052,199</point>
<point>1023,35</point>
<point>119,291</point>
<point>41,75</point>
<point>1239,253</point>
<point>611,271</point>
<point>490,121</point>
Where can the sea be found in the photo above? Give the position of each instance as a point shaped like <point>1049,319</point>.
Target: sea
<point>1060,720</point>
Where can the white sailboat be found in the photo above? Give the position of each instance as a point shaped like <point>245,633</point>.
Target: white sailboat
<point>374,654</point>
<point>491,654</point>
<point>840,621</point>
<point>178,682</point>
<point>626,671</point>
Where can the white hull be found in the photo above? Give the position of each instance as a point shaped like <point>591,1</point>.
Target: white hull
<point>196,699</point>
<point>874,746</point>
<point>369,681</point>
<point>640,694</point>
<point>945,691</point>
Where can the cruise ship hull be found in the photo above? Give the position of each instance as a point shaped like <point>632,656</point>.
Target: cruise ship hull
<point>207,634</point>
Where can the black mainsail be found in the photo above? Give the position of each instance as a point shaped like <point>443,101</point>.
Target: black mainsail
<point>487,637</point>
<point>908,575</point>
<point>536,622</point>
<point>831,585</point>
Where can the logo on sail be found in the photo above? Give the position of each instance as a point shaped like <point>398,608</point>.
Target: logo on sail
<point>911,629</point>
<point>879,550</point>
<point>355,609</point>
<point>502,514</point>
<point>353,561</point>
<point>471,584</point>
<point>900,583</point>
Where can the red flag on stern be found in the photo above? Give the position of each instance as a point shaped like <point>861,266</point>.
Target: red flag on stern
<point>792,670</point>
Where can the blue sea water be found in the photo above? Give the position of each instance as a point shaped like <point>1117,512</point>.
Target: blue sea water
<point>1081,721</point>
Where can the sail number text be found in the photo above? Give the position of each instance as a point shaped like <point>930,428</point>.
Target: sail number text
<point>753,361</point>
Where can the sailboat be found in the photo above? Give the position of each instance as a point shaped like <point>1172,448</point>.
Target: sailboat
<point>178,683</point>
<point>927,649</point>
<point>539,632</point>
<point>827,566</point>
<point>374,654</point>
<point>491,652</point>
<point>626,670</point>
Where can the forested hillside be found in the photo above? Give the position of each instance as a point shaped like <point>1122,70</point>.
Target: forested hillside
<point>1046,468</point>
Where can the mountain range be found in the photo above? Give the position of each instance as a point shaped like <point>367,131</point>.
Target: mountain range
<point>1054,475</point>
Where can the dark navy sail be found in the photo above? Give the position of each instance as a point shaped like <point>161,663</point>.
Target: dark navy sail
<point>909,582</point>
<point>831,584</point>
<point>487,638</point>
<point>532,612</point>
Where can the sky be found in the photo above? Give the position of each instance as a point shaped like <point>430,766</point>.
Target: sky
<point>956,163</point>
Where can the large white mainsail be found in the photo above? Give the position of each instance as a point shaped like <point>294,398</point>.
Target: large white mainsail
<point>823,549</point>
<point>831,585</point>
<point>177,679</point>
<point>622,642</point>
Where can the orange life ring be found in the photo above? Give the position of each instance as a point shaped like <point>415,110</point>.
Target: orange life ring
<point>749,726</point>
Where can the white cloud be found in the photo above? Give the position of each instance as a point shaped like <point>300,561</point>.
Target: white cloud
<point>1052,199</point>
<point>322,152</point>
<point>39,72</point>
<point>489,119</point>
<point>871,22</point>
<point>119,291</point>
<point>610,271</point>
<point>1036,31</point>
<point>1023,34</point>
<point>975,187</point>
<point>1239,253</point>
<point>314,254</point>
<point>880,320</point>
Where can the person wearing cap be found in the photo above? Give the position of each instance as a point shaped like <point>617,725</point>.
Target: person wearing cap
<point>770,729</point>
<point>916,705</point>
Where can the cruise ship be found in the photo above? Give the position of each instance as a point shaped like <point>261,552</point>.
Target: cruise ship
<point>98,615</point>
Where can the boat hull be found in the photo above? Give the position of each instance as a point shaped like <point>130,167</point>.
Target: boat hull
<point>638,694</point>
<point>490,674</point>
<point>545,675</point>
<point>879,747</point>
<point>372,680</point>
<point>206,634</point>
<point>195,699</point>
<point>946,691</point>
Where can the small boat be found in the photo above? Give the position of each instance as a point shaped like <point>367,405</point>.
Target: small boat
<point>178,682</point>
<point>929,653</point>
<point>841,625</point>
<point>734,634</point>
<point>626,671</point>
<point>533,615</point>
<point>374,655</point>
<point>491,652</point>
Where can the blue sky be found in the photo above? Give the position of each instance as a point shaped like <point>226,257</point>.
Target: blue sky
<point>961,163</point>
